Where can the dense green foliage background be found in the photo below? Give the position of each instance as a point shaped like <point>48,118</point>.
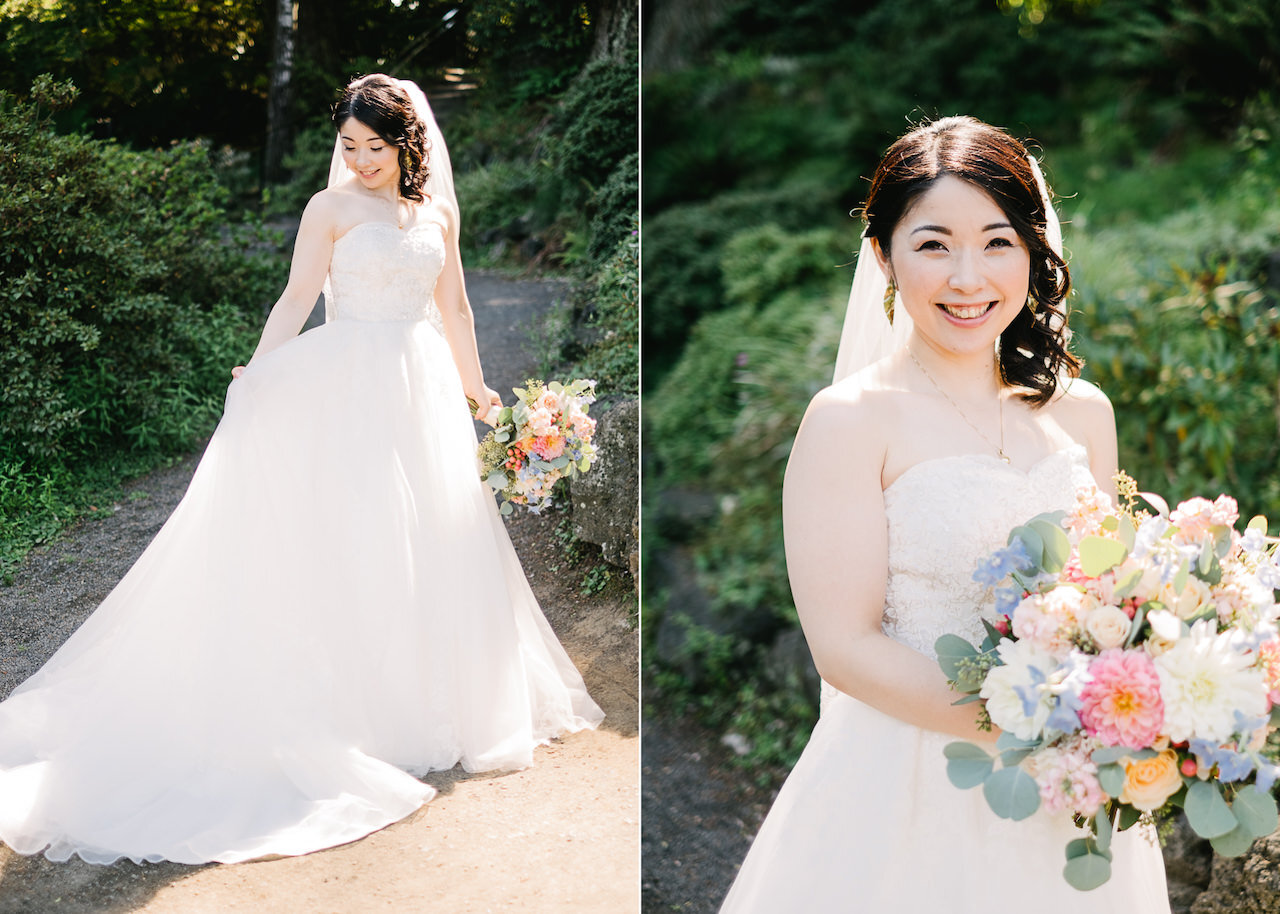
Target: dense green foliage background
<point>762,122</point>
<point>135,265</point>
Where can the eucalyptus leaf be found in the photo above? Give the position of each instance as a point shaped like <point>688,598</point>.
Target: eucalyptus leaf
<point>502,437</point>
<point>1180,579</point>
<point>506,509</point>
<point>1259,523</point>
<point>1233,843</point>
<point>1057,548</point>
<point>1127,584</point>
<point>1087,871</point>
<point>1011,758</point>
<point>1111,777</point>
<point>1007,740</point>
<point>1207,812</point>
<point>497,480</point>
<point>560,462</point>
<point>1098,554</point>
<point>1128,534</point>
<point>967,765</point>
<point>1108,754</point>
<point>1012,794</point>
<point>1206,557</point>
<point>1078,848</point>
<point>1128,817</point>
<point>951,649</point>
<point>1102,828</point>
<point>1031,542</point>
<point>1255,810</point>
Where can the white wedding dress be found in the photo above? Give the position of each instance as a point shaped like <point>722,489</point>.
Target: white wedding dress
<point>867,820</point>
<point>334,603</point>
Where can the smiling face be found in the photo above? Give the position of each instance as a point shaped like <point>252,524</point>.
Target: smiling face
<point>376,162</point>
<point>962,270</point>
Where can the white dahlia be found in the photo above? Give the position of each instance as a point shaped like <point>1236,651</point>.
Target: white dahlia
<point>1204,681</point>
<point>1017,697</point>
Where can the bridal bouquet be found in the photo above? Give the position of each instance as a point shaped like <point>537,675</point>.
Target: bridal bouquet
<point>1133,665</point>
<point>544,437</point>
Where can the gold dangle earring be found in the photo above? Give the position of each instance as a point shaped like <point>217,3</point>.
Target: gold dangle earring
<point>1032,304</point>
<point>890,293</point>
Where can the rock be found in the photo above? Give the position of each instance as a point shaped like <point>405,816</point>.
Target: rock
<point>789,665</point>
<point>1248,884</point>
<point>606,503</point>
<point>1187,864</point>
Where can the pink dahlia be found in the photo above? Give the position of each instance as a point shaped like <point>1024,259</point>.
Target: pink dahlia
<point>1121,705</point>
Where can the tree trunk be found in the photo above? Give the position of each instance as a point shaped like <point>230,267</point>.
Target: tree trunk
<point>616,24</point>
<point>280,93</point>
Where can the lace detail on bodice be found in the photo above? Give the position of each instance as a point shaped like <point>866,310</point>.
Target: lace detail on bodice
<point>947,514</point>
<point>379,272</point>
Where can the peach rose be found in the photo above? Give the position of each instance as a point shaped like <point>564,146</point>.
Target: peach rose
<point>1108,626</point>
<point>1151,781</point>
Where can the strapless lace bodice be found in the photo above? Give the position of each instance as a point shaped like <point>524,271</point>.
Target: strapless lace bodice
<point>379,272</point>
<point>944,517</point>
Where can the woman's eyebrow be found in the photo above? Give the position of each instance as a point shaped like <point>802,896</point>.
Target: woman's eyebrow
<point>943,230</point>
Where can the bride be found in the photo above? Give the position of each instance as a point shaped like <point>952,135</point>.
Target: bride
<point>335,605</point>
<point>952,421</point>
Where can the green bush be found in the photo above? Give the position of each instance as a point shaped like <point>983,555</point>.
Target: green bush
<point>595,127</point>
<point>612,301</point>
<point>110,264</point>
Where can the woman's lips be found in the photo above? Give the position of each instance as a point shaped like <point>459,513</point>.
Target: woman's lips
<point>967,312</point>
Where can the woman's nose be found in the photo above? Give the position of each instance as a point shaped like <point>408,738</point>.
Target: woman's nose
<point>965,274</point>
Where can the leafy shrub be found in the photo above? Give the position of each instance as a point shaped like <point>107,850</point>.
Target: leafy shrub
<point>684,277</point>
<point>595,126</point>
<point>109,263</point>
<point>613,209</point>
<point>612,301</point>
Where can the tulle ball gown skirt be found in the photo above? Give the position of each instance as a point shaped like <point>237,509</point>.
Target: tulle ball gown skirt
<point>868,823</point>
<point>333,607</point>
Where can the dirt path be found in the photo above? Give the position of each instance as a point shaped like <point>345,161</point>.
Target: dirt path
<point>561,836</point>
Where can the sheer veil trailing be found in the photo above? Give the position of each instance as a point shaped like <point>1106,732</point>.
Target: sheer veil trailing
<point>867,336</point>
<point>439,168</point>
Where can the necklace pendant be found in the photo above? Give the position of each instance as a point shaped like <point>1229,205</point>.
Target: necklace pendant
<point>1004,456</point>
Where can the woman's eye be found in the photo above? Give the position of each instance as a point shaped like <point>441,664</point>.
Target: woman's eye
<point>347,149</point>
<point>375,148</point>
<point>1000,243</point>
<point>931,246</point>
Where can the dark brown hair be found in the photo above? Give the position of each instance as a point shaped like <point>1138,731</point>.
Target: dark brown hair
<point>380,104</point>
<point>1033,348</point>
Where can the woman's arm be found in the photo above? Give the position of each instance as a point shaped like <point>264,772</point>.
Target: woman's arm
<point>311,253</point>
<point>837,548</point>
<point>459,322</point>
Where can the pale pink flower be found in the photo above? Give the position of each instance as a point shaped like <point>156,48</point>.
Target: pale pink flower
<point>1121,704</point>
<point>1052,621</point>
<point>1196,517</point>
<point>541,421</point>
<point>1086,515</point>
<point>548,401</point>
<point>1068,779</point>
<point>1269,663</point>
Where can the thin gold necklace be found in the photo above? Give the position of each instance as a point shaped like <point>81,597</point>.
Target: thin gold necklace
<point>999,400</point>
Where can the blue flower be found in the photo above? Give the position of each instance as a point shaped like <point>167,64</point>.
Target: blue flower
<point>1002,563</point>
<point>1007,600</point>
